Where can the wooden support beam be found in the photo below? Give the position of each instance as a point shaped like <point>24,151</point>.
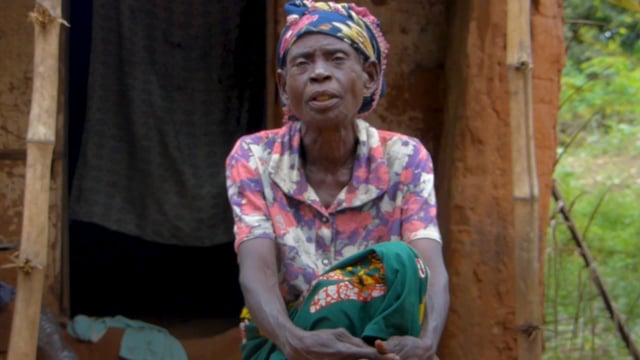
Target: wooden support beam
<point>41,134</point>
<point>525,181</point>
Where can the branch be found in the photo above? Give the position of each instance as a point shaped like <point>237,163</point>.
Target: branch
<point>586,22</point>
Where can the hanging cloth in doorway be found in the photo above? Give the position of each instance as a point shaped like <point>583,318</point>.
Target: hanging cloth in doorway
<point>172,85</point>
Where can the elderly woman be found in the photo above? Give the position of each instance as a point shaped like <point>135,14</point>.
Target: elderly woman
<point>335,221</point>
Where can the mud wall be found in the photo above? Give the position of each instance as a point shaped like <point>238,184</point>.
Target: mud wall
<point>474,178</point>
<point>474,184</point>
<point>16,69</point>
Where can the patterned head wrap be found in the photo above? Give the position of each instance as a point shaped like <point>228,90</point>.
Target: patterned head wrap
<point>346,21</point>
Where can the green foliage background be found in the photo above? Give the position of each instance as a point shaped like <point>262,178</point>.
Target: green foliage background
<point>598,174</point>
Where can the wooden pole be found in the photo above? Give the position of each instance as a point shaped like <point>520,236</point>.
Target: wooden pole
<point>41,133</point>
<point>590,263</point>
<point>528,315</point>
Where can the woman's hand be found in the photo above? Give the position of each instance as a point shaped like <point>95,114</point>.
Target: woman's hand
<point>331,344</point>
<point>407,348</point>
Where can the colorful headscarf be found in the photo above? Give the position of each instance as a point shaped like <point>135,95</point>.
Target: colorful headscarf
<point>346,21</point>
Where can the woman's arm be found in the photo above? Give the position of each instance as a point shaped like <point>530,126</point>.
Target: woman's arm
<point>259,283</point>
<point>437,290</point>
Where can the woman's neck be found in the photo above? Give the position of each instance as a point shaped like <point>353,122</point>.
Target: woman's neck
<point>329,150</point>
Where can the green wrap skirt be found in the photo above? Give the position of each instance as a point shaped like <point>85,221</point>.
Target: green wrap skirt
<point>374,294</point>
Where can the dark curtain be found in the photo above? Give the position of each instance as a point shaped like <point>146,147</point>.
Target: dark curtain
<point>158,93</point>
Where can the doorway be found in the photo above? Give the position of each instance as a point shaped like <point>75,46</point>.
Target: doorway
<point>113,272</point>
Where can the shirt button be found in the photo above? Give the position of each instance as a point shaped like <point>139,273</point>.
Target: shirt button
<point>325,262</point>
<point>325,219</point>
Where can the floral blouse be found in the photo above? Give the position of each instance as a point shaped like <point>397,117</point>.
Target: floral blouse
<point>390,198</point>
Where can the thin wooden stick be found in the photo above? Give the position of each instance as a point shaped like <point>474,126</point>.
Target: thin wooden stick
<point>525,182</point>
<point>595,275</point>
<point>32,257</point>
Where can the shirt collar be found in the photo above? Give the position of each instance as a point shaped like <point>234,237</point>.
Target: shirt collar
<point>370,177</point>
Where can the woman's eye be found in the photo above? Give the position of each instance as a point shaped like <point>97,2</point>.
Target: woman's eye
<point>339,58</point>
<point>299,63</point>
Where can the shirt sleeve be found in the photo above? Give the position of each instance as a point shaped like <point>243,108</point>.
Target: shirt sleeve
<point>245,190</point>
<point>419,208</point>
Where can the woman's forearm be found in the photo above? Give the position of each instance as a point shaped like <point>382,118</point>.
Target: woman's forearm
<point>259,284</point>
<point>437,306</point>
<point>437,297</point>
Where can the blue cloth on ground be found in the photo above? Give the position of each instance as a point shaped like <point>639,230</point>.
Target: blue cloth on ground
<point>141,340</point>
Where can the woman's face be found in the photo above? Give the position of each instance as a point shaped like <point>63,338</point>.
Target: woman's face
<point>325,80</point>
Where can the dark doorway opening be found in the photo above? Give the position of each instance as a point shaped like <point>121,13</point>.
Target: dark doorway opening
<point>113,273</point>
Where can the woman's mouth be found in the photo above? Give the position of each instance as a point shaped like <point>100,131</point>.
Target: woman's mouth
<point>323,102</point>
<point>322,98</point>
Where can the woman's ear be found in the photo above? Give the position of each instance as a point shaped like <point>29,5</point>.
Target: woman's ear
<point>281,80</point>
<point>371,71</point>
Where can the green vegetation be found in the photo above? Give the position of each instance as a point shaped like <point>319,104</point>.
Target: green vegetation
<point>598,174</point>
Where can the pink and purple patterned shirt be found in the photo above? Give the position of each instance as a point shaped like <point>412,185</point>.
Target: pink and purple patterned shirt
<point>390,198</point>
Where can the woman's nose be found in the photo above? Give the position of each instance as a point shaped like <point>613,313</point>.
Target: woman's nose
<point>320,72</point>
